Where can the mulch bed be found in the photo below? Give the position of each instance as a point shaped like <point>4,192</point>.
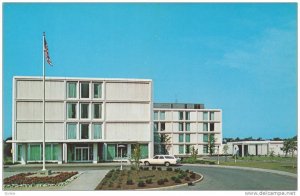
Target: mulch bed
<point>24,178</point>
<point>144,179</point>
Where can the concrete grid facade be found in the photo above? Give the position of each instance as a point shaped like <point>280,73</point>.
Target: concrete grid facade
<point>179,127</point>
<point>86,119</point>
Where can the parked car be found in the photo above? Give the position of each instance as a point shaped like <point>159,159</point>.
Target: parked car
<point>166,160</point>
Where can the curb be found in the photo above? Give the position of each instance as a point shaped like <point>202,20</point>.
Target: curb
<point>167,187</point>
<point>247,168</point>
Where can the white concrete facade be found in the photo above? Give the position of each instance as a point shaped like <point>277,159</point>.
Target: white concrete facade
<point>246,148</point>
<point>86,118</point>
<point>186,127</point>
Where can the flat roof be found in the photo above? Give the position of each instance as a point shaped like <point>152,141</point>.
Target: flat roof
<point>179,105</point>
<point>81,78</point>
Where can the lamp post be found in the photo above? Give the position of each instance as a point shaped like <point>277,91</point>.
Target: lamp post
<point>121,146</point>
<point>218,156</point>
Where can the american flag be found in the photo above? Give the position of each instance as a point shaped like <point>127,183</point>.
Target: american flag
<point>46,51</point>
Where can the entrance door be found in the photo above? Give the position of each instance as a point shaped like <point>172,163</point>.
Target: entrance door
<point>82,153</point>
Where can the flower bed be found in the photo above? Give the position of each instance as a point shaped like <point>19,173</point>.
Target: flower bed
<point>24,179</point>
<point>146,178</point>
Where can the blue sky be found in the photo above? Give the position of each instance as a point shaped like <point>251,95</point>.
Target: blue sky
<point>240,58</point>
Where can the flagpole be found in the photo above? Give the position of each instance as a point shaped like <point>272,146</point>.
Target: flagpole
<point>44,167</point>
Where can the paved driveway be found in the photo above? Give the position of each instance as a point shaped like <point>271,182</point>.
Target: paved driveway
<point>236,179</point>
<point>215,178</point>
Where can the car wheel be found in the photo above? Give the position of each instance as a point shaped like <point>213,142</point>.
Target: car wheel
<point>147,163</point>
<point>167,164</point>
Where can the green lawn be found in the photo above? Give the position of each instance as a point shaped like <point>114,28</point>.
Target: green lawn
<point>286,164</point>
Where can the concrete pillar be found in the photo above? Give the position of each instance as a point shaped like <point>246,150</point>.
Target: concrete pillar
<point>129,151</point>
<point>60,154</point>
<point>65,153</point>
<point>95,153</point>
<point>105,151</point>
<point>24,154</point>
<point>243,150</point>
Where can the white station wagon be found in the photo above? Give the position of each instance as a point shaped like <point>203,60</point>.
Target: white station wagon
<point>166,160</point>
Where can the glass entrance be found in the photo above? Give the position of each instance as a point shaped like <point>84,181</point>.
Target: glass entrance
<point>82,153</point>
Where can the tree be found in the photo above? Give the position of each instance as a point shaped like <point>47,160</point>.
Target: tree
<point>194,153</point>
<point>293,146</point>
<point>225,151</point>
<point>136,156</point>
<point>7,147</point>
<point>165,139</point>
<point>286,147</point>
<point>211,144</point>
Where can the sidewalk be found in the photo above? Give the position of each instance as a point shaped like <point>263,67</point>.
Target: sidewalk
<point>87,181</point>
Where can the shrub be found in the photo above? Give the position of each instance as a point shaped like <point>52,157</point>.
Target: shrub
<point>159,168</point>
<point>193,175</point>
<point>160,181</point>
<point>182,175</point>
<point>146,168</point>
<point>153,168</point>
<point>132,168</point>
<point>141,168</point>
<point>169,169</point>
<point>166,180</point>
<point>129,182</point>
<point>141,183</point>
<point>187,178</point>
<point>149,181</point>
<point>177,180</point>
<point>110,184</point>
<point>173,178</point>
<point>177,170</point>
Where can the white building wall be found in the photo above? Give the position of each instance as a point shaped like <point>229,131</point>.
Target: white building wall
<point>128,91</point>
<point>193,127</point>
<point>168,115</point>
<point>193,116</point>
<point>29,110</point>
<point>169,127</point>
<point>127,112</point>
<point>127,131</point>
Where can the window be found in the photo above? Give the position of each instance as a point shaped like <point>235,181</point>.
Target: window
<point>19,146</point>
<point>212,116</point>
<point>187,126</point>
<point>71,130</point>
<point>34,152</point>
<point>85,91</point>
<point>155,126</point>
<point>187,115</point>
<point>187,149</point>
<point>155,157</point>
<point>155,115</point>
<point>97,90</point>
<point>97,113</point>
<point>71,89</point>
<point>187,138</point>
<point>84,131</point>
<point>180,138</point>
<point>161,157</point>
<point>162,126</point>
<point>181,149</point>
<point>180,115</point>
<point>180,127</point>
<point>51,152</point>
<point>97,131</point>
<point>71,110</point>
<point>205,138</point>
<point>211,126</point>
<point>205,115</point>
<point>205,126</point>
<point>156,137</point>
<point>162,116</point>
<point>205,149</point>
<point>84,110</point>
